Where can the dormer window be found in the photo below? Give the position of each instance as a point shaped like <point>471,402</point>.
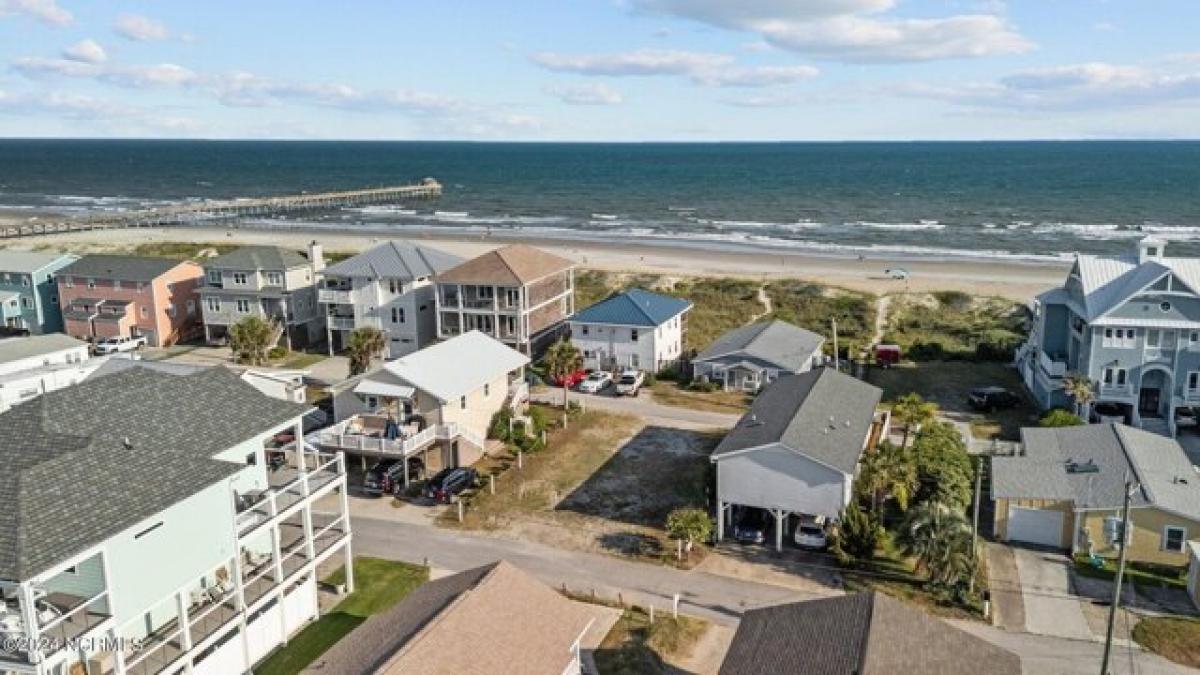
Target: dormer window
<point>1165,306</point>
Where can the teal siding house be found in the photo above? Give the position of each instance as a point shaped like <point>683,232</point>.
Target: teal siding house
<point>28,293</point>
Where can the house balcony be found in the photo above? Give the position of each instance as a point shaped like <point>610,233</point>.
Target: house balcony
<point>335,296</point>
<point>1054,367</point>
<point>342,322</point>
<point>1116,390</point>
<point>61,618</point>
<point>289,489</point>
<point>364,435</point>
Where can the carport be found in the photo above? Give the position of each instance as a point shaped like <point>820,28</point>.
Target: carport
<point>797,450</point>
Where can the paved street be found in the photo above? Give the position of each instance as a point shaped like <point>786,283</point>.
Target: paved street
<point>644,406</point>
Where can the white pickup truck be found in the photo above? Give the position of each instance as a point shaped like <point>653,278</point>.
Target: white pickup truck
<point>630,382</point>
<point>115,345</point>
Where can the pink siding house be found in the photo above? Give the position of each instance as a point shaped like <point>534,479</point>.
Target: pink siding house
<point>119,296</point>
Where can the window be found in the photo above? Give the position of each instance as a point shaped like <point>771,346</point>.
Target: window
<point>91,283</point>
<point>1120,337</point>
<point>274,278</point>
<point>145,311</point>
<point>54,299</point>
<point>1194,336</point>
<point>1193,380</point>
<point>1114,377</point>
<point>243,306</point>
<point>1153,335</point>
<point>462,402</point>
<point>1151,251</point>
<point>1173,538</point>
<point>1164,306</point>
<point>116,284</point>
<point>583,329</point>
<point>214,277</point>
<point>397,315</point>
<point>372,402</point>
<point>252,459</point>
<point>239,278</point>
<point>633,334</point>
<point>392,287</point>
<point>69,282</point>
<point>26,303</point>
<point>487,390</point>
<point>487,292</point>
<point>212,304</point>
<point>25,281</point>
<point>171,310</point>
<point>512,297</point>
<point>191,307</point>
<point>634,361</point>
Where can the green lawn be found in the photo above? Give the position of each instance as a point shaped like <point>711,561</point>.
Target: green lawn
<point>302,360</point>
<point>1139,574</point>
<point>379,584</point>
<point>1175,639</point>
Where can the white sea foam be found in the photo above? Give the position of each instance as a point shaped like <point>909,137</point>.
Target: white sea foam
<point>919,225</point>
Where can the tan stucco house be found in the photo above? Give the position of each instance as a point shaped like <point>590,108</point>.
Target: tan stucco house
<point>1066,486</point>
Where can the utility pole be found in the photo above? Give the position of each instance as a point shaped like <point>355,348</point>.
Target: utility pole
<point>975,517</point>
<point>1116,601</point>
<point>837,358</point>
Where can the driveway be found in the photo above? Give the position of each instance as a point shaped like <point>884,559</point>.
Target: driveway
<point>643,406</point>
<point>1050,607</point>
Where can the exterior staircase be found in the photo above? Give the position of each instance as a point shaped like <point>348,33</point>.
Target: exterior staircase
<point>1156,425</point>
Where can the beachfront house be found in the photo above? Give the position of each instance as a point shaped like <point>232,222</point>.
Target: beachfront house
<point>388,287</point>
<point>28,294</point>
<point>1065,487</point>
<point>270,282</point>
<point>33,365</point>
<point>797,450</point>
<point>1131,325</point>
<point>518,294</point>
<point>443,396</point>
<point>749,358</point>
<point>490,619</point>
<point>126,296</point>
<point>633,329</point>
<point>151,532</point>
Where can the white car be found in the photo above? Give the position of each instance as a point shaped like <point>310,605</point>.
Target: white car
<point>811,534</point>
<point>115,345</point>
<point>595,382</point>
<point>630,382</point>
<point>898,273</point>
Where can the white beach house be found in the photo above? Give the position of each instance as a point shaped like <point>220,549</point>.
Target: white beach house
<point>31,366</point>
<point>633,329</point>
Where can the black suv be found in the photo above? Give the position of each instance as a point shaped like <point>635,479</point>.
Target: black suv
<point>446,485</point>
<point>987,399</point>
<point>388,474</point>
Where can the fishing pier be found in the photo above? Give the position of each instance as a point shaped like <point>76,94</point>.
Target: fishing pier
<point>226,209</point>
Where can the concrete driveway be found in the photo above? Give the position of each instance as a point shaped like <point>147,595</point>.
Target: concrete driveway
<point>1050,607</point>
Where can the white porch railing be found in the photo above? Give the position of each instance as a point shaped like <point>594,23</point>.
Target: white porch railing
<point>277,499</point>
<point>1052,367</point>
<point>342,322</point>
<point>335,296</point>
<point>1116,390</point>
<point>335,437</point>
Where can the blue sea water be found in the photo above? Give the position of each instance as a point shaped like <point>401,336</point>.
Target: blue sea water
<point>988,199</point>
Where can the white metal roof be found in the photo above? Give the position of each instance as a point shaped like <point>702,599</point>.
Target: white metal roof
<point>457,366</point>
<point>373,388</point>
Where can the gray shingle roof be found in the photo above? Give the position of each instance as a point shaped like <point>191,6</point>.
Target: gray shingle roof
<point>27,262</point>
<point>821,414</point>
<point>779,342</point>
<point>859,634</point>
<point>396,259</point>
<point>258,258</point>
<point>123,267</point>
<point>1116,452</point>
<point>17,348</point>
<point>70,482</point>
<point>635,307</point>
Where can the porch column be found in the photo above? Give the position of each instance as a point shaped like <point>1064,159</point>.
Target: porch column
<point>348,553</point>
<point>119,652</point>
<point>29,617</point>
<point>720,520</point>
<point>298,432</point>
<point>185,628</point>
<point>780,515</point>
<point>404,459</point>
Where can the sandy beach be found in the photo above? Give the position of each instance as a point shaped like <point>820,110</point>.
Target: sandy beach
<point>1017,281</point>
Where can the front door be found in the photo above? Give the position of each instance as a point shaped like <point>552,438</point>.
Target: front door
<point>1148,403</point>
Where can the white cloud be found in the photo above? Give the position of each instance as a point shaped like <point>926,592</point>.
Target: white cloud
<point>852,30</point>
<point>86,51</point>
<point>46,11</point>
<point>248,90</point>
<point>709,69</point>
<point>73,106</point>
<point>1088,86</point>
<point>140,28</point>
<point>132,77</point>
<point>587,94</point>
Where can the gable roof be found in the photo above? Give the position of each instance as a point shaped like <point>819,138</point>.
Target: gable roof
<point>17,348</point>
<point>513,265</point>
<point>483,620</point>
<point>395,259</point>
<point>123,267</point>
<point>779,342</point>
<point>822,414</point>
<point>28,262</point>
<point>1104,456</point>
<point>635,307</point>
<point>175,425</point>
<point>258,258</point>
<point>865,633</point>
<point>1108,281</point>
<point>450,369</point>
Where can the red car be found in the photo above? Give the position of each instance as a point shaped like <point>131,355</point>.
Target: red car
<point>570,380</point>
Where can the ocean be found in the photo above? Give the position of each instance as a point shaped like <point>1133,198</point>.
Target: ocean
<point>1009,200</point>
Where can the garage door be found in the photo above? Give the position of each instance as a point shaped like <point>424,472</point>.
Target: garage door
<point>1035,526</point>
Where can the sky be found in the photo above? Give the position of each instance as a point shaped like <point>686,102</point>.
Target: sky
<point>601,70</point>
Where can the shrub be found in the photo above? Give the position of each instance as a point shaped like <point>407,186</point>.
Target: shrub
<point>857,535</point>
<point>690,525</point>
<point>499,427</point>
<point>1060,418</point>
<point>944,469</point>
<point>705,386</point>
<point>541,419</point>
<point>671,373</point>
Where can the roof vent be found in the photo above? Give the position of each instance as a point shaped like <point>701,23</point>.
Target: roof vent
<point>752,420</point>
<point>1179,480</point>
<point>846,424</point>
<point>1082,467</point>
<point>127,443</point>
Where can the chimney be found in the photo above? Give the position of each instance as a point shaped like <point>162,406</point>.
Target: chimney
<point>316,256</point>
<point>1151,248</point>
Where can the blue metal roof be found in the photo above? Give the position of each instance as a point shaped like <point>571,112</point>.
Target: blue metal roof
<point>635,307</point>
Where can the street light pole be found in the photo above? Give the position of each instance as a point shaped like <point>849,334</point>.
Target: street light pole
<point>1112,610</point>
<point>837,357</point>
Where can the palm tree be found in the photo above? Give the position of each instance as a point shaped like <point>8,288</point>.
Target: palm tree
<point>940,540</point>
<point>913,411</point>
<point>889,471</point>
<point>250,340</point>
<point>365,345</point>
<point>1079,388</point>
<point>562,359</point>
